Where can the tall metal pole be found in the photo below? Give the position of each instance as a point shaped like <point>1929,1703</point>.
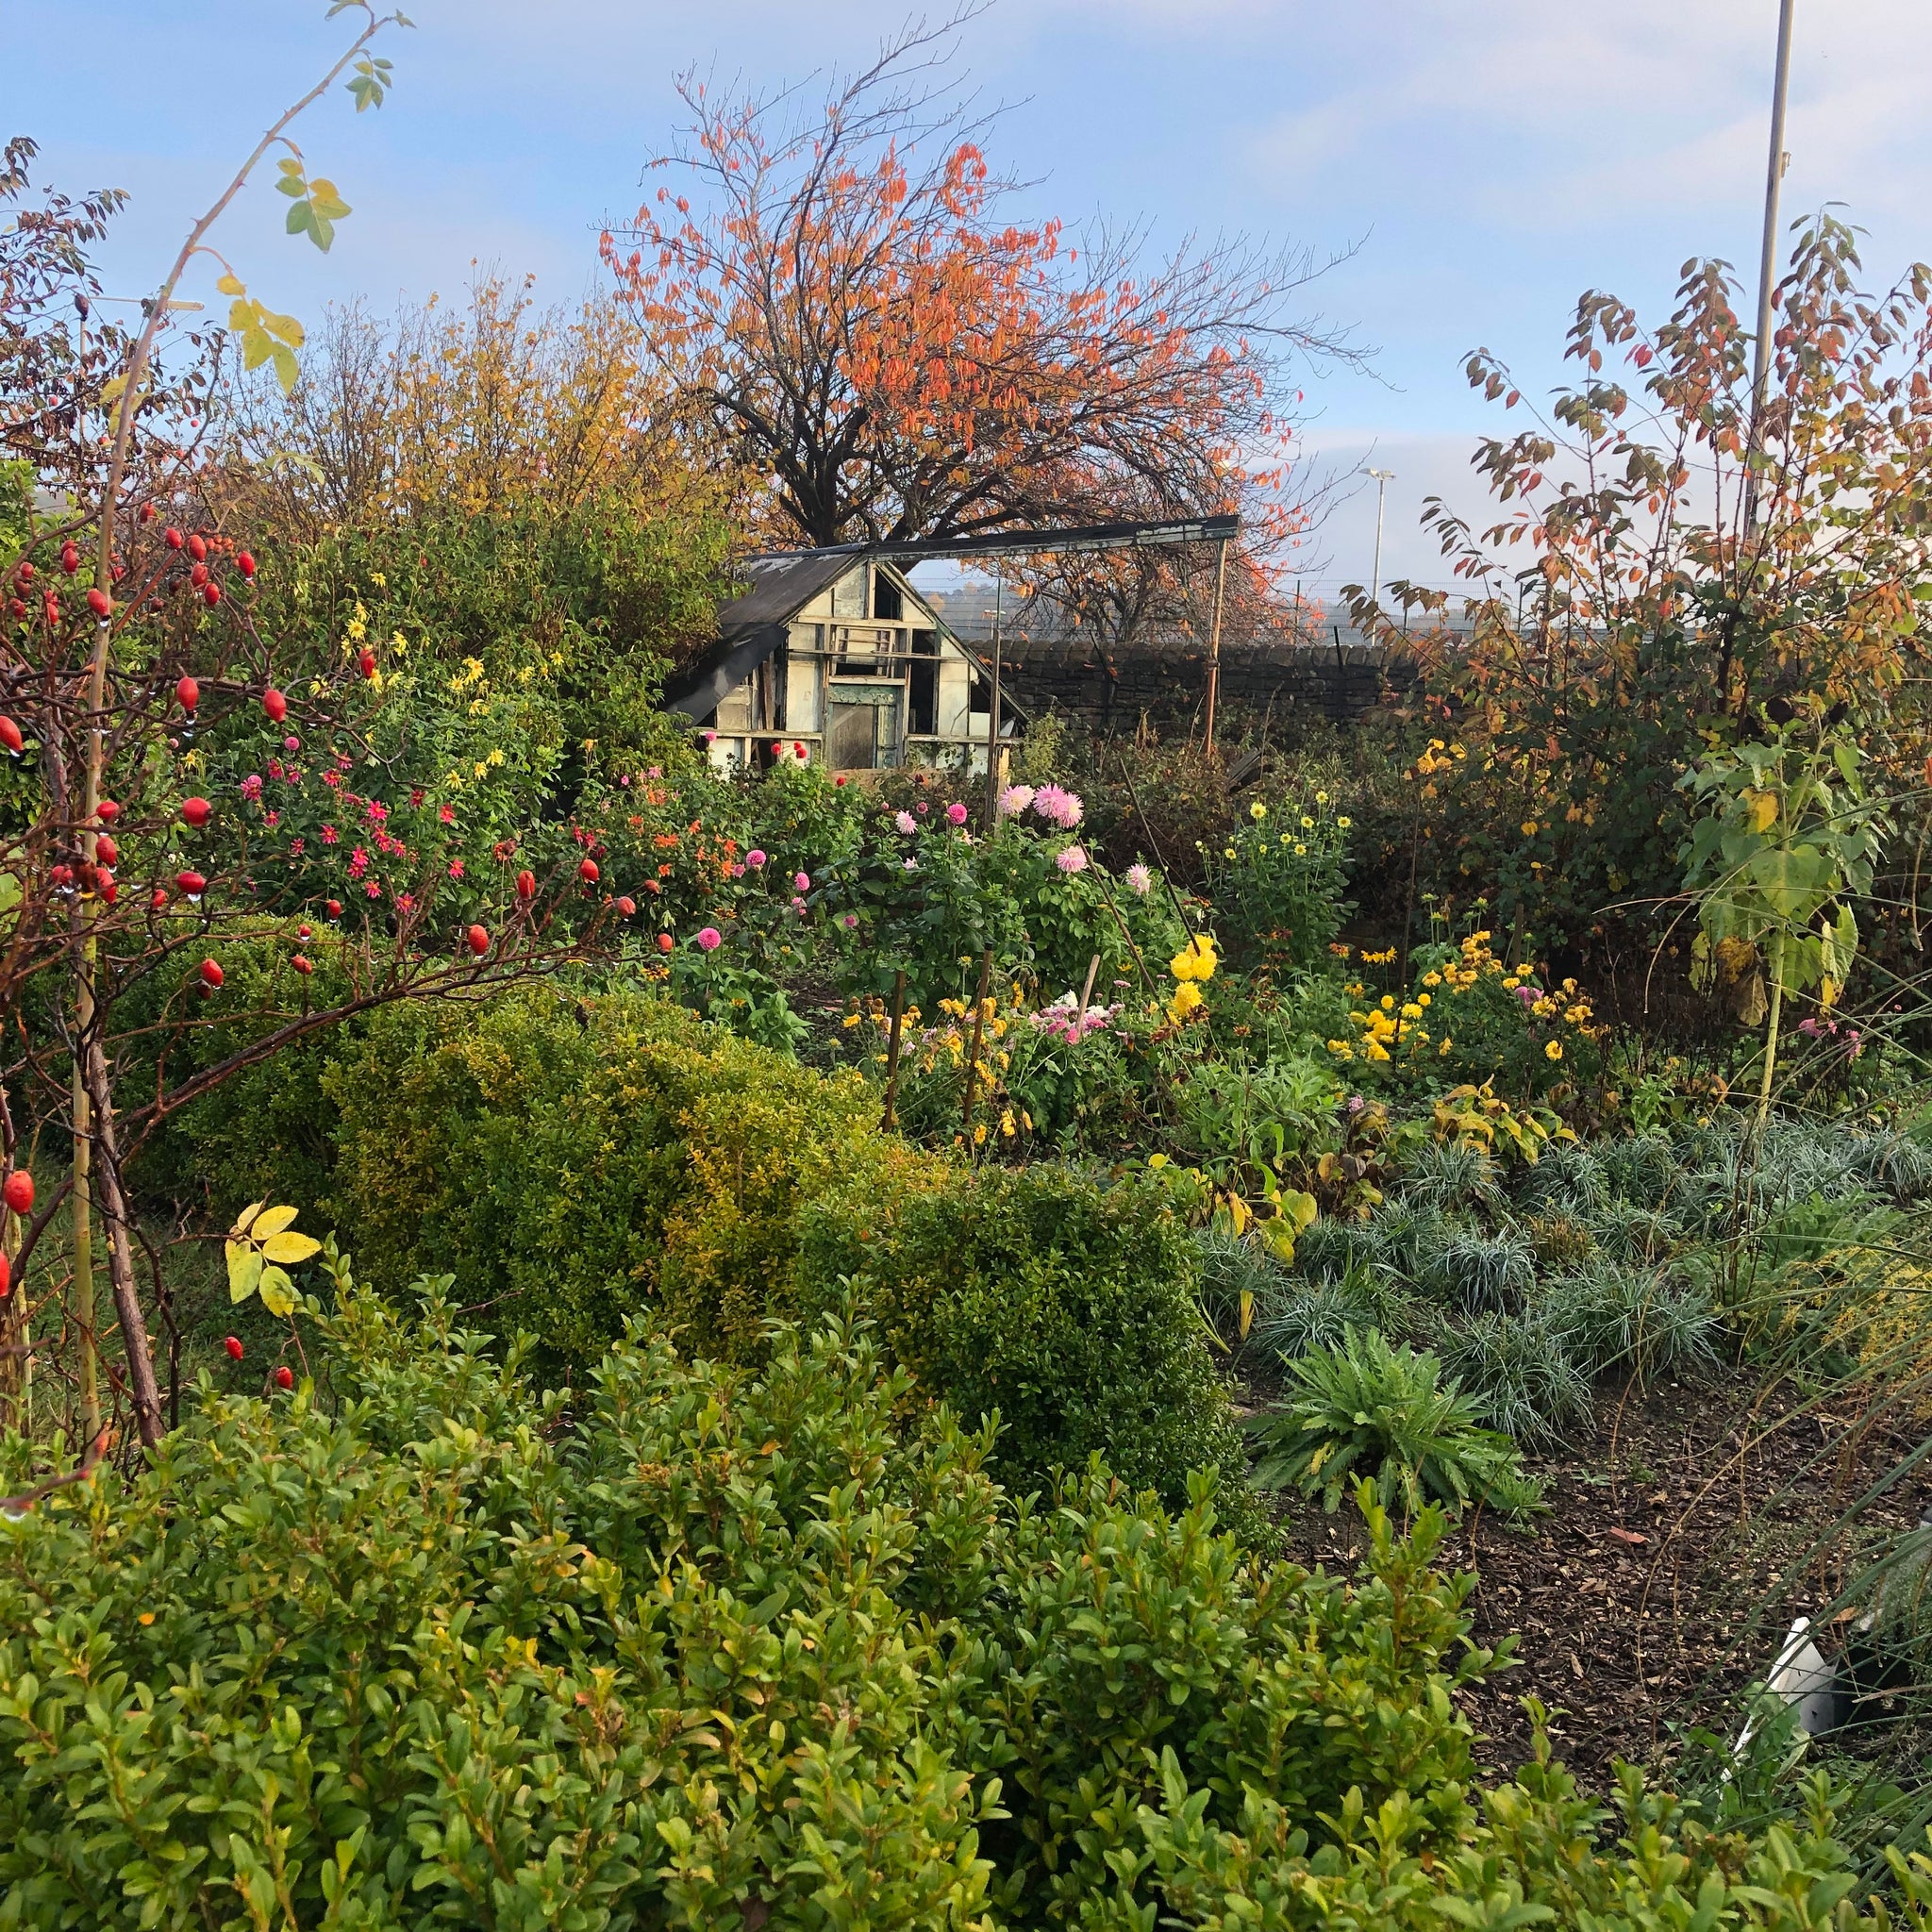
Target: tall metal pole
<point>1214,640</point>
<point>1767,258</point>
<point>1383,478</point>
<point>993,717</point>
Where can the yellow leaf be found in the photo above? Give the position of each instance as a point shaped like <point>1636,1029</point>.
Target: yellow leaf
<point>1297,1208</point>
<point>278,1292</point>
<point>244,1275</point>
<point>290,1247</point>
<point>272,1221</point>
<point>243,1220</point>
<point>230,284</point>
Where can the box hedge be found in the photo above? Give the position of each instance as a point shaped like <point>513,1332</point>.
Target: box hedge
<point>573,1162</point>
<point>1063,1299</point>
<point>722,1649</point>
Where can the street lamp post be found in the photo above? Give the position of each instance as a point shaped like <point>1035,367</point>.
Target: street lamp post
<point>1383,479</point>
<point>1767,258</point>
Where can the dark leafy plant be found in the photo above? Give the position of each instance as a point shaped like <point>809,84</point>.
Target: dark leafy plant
<point>1368,1411</point>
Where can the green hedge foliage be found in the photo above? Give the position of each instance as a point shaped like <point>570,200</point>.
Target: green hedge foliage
<point>1066,1304</point>
<point>713,1648</point>
<point>266,1130</point>
<point>577,1162</point>
<point>573,1161</point>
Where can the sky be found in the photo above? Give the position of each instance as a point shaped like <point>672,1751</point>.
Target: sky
<point>1476,164</point>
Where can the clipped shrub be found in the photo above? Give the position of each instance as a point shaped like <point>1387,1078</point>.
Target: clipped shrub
<point>436,1651</point>
<point>1368,1411</point>
<point>1065,1303</point>
<point>573,1161</point>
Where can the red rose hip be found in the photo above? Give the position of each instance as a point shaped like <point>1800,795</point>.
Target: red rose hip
<point>233,1344</point>
<point>20,1190</point>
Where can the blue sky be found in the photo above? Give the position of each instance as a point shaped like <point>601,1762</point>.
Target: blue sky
<point>1487,159</point>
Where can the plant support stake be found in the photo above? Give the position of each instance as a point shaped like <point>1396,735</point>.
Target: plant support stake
<point>978,1024</point>
<point>1214,640</point>
<point>893,1047</point>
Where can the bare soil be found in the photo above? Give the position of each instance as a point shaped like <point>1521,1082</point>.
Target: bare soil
<point>1684,1533</point>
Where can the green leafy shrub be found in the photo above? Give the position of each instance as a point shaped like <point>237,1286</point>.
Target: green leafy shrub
<point>1066,1304</point>
<point>1366,1409</point>
<point>265,1132</point>
<point>580,1159</point>
<point>704,1648</point>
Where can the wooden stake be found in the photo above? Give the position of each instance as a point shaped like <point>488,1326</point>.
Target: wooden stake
<point>892,1048</point>
<point>1087,990</point>
<point>992,716</point>
<point>973,1058</point>
<point>1214,643</point>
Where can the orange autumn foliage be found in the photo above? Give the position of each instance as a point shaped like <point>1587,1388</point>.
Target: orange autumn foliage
<point>861,326</point>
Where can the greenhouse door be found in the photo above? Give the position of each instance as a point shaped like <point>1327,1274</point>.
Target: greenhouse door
<point>863,727</point>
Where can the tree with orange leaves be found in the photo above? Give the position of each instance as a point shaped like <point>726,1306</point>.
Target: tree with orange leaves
<point>859,324</point>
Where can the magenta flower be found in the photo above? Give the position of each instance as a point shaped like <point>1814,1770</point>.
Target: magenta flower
<point>291,744</point>
<point>710,939</point>
<point>801,882</point>
<point>754,858</point>
<point>955,813</point>
<point>851,920</point>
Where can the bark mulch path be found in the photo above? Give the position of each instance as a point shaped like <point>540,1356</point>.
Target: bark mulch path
<point>1684,1533</point>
